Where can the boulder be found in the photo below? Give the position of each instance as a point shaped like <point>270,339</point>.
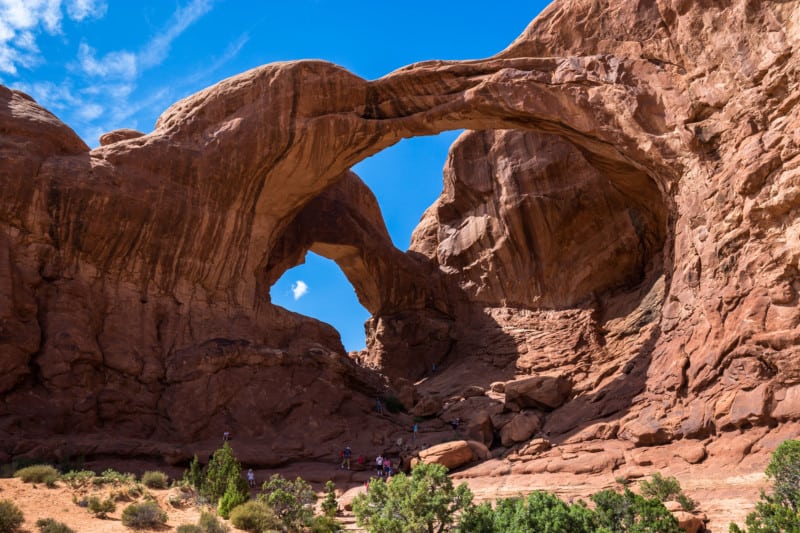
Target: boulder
<point>451,454</point>
<point>520,428</point>
<point>541,392</point>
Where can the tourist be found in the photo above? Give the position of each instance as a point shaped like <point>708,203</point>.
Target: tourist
<point>347,453</point>
<point>379,465</point>
<point>251,477</point>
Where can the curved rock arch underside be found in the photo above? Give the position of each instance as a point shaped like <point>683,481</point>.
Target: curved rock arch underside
<point>620,218</point>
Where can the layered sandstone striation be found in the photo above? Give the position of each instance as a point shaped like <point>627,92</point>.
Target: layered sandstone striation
<point>618,229</point>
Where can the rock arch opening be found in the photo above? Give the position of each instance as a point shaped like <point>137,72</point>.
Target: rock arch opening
<point>318,288</point>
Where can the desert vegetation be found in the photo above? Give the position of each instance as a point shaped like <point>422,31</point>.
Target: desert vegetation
<point>422,501</point>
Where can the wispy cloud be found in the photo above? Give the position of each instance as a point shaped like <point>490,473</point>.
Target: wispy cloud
<point>157,49</point>
<point>99,91</point>
<point>21,20</point>
<point>299,289</point>
<point>120,64</point>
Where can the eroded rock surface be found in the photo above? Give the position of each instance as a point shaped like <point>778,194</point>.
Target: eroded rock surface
<point>624,214</point>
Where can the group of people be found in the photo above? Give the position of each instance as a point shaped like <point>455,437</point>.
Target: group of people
<point>383,465</point>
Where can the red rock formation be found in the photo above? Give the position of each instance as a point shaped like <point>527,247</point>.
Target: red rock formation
<point>636,233</point>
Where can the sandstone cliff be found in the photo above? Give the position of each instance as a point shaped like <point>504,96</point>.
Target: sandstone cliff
<point>622,219</point>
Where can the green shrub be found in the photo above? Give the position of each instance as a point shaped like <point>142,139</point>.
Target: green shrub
<point>100,508</point>
<point>325,524</point>
<point>154,479</point>
<point>38,474</point>
<point>189,528</point>
<point>778,512</point>
<point>662,488</point>
<point>222,468</point>
<point>665,489</point>
<point>627,511</point>
<point>687,503</point>
<point>78,479</point>
<point>112,477</point>
<point>143,515</point>
<point>424,501</point>
<point>48,525</point>
<point>329,504</point>
<point>194,476</point>
<point>236,494</point>
<point>10,517</point>
<point>292,501</point>
<point>255,516</point>
<point>209,523</point>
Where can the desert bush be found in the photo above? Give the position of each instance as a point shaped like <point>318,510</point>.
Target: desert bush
<point>236,494</point>
<point>76,479</point>
<point>112,477</point>
<point>189,528</point>
<point>325,524</point>
<point>292,501</point>
<point>143,515</point>
<point>211,524</point>
<point>154,479</point>
<point>10,517</point>
<point>424,501</point>
<point>660,487</point>
<point>38,474</point>
<point>255,516</point>
<point>100,508</point>
<point>778,512</point>
<point>665,489</point>
<point>627,511</point>
<point>49,525</point>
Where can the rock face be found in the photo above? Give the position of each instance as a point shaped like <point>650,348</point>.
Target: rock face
<point>624,213</point>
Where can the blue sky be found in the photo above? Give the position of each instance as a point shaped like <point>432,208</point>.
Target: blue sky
<point>101,65</point>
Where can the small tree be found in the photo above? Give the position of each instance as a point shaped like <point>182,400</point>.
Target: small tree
<point>778,511</point>
<point>195,476</point>
<point>329,504</point>
<point>426,501</point>
<point>222,468</point>
<point>236,494</point>
<point>292,501</point>
<point>632,513</point>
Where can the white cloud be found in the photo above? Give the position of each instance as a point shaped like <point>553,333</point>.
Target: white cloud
<point>157,49</point>
<point>85,9</point>
<point>90,111</point>
<point>112,65</point>
<point>20,20</point>
<point>299,289</point>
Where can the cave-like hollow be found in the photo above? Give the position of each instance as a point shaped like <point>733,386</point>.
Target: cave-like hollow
<point>526,220</point>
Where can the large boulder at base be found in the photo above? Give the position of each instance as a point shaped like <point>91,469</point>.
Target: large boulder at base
<point>450,454</point>
<point>542,392</point>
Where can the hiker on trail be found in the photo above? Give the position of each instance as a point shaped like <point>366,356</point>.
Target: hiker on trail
<point>379,406</point>
<point>387,467</point>
<point>379,465</point>
<point>414,432</point>
<point>360,460</point>
<point>251,477</point>
<point>226,436</point>
<point>347,453</point>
